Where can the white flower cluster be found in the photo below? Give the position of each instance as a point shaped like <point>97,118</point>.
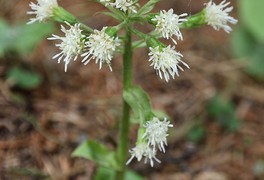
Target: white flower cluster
<point>166,61</point>
<point>143,150</point>
<point>167,24</point>
<point>156,133</point>
<point>72,44</point>
<point>217,15</point>
<point>101,47</point>
<point>43,10</point>
<point>124,5</point>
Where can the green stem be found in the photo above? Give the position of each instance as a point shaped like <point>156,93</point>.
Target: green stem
<point>124,124</point>
<point>86,28</point>
<point>127,61</point>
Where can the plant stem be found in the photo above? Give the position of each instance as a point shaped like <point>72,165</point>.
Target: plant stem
<point>86,28</point>
<point>127,61</point>
<point>124,124</point>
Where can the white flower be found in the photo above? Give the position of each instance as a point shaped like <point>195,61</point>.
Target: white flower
<point>43,10</point>
<point>125,5</point>
<point>143,150</point>
<point>157,132</point>
<point>217,15</point>
<point>72,44</point>
<point>101,47</point>
<point>168,24</point>
<point>166,61</point>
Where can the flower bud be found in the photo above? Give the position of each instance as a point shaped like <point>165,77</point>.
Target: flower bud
<point>61,15</point>
<point>195,20</point>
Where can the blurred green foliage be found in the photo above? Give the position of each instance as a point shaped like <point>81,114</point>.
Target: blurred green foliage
<point>98,152</point>
<point>23,78</point>
<point>109,174</point>
<point>251,13</point>
<point>197,133</point>
<point>105,158</point>
<point>22,38</point>
<point>248,38</point>
<point>223,112</point>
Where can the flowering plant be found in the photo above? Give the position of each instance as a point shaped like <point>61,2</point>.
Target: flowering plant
<point>90,44</point>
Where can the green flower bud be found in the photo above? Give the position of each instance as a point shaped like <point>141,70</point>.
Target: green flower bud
<point>195,20</point>
<point>61,15</point>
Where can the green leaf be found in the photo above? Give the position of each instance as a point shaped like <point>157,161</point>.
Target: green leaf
<point>22,38</point>
<point>224,113</point>
<point>104,173</point>
<point>23,78</point>
<point>131,175</point>
<point>27,37</point>
<point>147,7</point>
<point>252,16</point>
<point>139,101</point>
<point>245,45</point>
<point>97,152</point>
<point>109,174</point>
<point>256,65</point>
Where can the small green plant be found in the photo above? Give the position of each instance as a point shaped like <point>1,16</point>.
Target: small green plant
<point>223,112</point>
<point>23,78</point>
<point>197,133</point>
<point>81,40</point>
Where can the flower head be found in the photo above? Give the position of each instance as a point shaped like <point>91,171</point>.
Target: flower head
<point>125,5</point>
<point>157,132</point>
<point>217,15</point>
<point>72,44</point>
<point>167,24</point>
<point>166,61</point>
<point>43,10</point>
<point>143,150</point>
<point>101,47</point>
